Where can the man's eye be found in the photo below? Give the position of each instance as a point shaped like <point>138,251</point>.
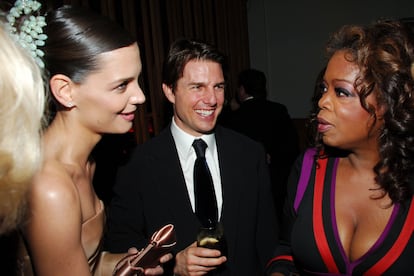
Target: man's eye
<point>220,86</point>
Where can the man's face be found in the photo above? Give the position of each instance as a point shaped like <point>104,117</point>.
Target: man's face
<point>198,97</point>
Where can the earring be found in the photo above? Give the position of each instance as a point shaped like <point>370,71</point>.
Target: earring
<point>69,104</point>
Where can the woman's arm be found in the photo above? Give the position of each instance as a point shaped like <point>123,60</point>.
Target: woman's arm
<point>282,261</point>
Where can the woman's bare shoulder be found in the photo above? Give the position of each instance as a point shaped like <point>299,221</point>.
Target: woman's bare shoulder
<point>53,183</point>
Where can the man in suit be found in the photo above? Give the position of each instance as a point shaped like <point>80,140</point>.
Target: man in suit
<point>156,186</point>
<point>268,123</point>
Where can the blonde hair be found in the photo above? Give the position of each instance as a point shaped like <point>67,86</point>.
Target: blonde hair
<point>22,103</point>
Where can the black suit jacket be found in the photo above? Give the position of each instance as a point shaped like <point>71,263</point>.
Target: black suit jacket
<point>270,124</point>
<point>151,192</point>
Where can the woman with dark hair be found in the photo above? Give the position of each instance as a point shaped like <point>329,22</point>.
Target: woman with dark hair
<point>353,192</point>
<point>93,67</point>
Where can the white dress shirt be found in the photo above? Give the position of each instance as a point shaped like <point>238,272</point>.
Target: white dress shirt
<point>186,153</point>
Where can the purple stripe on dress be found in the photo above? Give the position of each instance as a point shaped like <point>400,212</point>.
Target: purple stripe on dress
<point>384,234</point>
<point>304,176</point>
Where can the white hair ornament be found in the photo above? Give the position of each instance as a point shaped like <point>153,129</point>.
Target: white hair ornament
<point>26,26</point>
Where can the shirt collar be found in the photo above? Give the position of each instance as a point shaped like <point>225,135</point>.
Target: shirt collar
<point>184,141</point>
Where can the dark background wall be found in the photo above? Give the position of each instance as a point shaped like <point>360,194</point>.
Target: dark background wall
<point>287,38</point>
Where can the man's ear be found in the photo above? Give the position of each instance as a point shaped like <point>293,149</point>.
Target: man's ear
<point>169,93</point>
<point>61,88</point>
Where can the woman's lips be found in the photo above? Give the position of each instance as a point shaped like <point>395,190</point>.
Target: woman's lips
<point>323,125</point>
<point>128,116</point>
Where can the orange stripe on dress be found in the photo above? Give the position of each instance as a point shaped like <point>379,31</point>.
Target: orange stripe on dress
<point>319,231</point>
<point>392,255</point>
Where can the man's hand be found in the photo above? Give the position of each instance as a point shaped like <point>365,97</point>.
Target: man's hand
<point>197,260</point>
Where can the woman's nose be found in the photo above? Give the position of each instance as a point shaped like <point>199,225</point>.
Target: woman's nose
<point>138,96</point>
<point>324,100</point>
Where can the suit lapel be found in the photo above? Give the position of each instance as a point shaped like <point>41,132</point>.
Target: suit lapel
<point>228,158</point>
<point>172,187</point>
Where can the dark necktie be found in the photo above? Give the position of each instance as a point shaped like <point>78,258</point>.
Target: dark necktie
<point>205,199</point>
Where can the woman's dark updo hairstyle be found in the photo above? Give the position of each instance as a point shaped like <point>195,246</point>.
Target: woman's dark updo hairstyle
<point>384,53</point>
<point>76,37</point>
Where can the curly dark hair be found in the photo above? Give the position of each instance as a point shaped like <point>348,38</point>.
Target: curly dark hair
<point>384,53</point>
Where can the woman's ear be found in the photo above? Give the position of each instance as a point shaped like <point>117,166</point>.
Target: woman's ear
<point>169,93</point>
<point>61,88</point>
<point>380,110</point>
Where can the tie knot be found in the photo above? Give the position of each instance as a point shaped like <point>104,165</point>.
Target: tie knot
<point>199,147</point>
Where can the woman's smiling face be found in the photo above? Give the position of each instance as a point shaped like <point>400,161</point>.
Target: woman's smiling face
<point>108,98</point>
